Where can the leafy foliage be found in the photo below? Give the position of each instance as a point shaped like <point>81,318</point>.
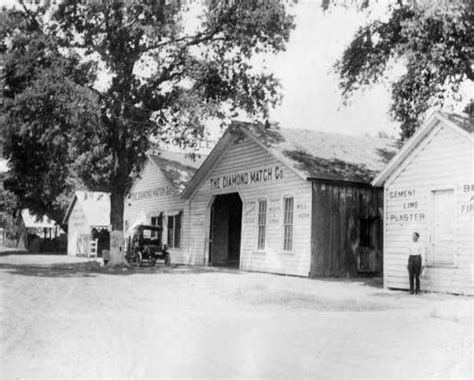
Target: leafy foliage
<point>161,79</point>
<point>43,100</point>
<point>434,42</point>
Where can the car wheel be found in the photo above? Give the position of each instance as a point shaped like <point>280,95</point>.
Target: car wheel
<point>151,261</point>
<point>167,259</point>
<point>138,259</point>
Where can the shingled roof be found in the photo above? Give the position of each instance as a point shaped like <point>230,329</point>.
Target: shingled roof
<point>463,121</point>
<point>177,167</point>
<point>322,155</point>
<point>310,154</point>
<point>30,220</point>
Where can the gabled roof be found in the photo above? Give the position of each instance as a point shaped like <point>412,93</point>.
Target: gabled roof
<point>177,167</point>
<point>32,221</point>
<point>462,121</point>
<point>310,154</point>
<point>94,204</point>
<point>462,124</point>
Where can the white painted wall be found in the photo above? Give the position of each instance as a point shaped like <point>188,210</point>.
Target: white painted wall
<point>444,160</point>
<point>244,157</point>
<point>77,226</point>
<point>152,194</point>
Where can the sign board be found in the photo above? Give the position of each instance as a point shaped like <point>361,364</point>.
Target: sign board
<point>236,180</point>
<point>249,212</point>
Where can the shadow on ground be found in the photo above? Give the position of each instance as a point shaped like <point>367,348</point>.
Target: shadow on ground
<point>373,282</point>
<point>94,269</point>
<point>261,295</point>
<point>26,253</point>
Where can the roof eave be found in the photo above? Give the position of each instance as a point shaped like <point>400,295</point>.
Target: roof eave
<point>207,165</point>
<point>413,142</point>
<point>340,181</point>
<point>406,149</point>
<point>69,210</point>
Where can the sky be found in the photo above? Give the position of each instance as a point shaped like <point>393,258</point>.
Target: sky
<point>310,87</point>
<point>311,98</point>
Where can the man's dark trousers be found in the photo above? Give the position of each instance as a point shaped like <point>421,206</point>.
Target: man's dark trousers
<point>414,268</point>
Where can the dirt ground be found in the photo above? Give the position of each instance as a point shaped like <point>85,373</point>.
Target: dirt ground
<point>62,316</point>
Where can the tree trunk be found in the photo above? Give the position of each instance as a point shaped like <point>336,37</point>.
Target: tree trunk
<point>117,253</point>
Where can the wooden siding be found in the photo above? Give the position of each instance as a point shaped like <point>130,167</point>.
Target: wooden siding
<point>245,157</point>
<point>152,194</point>
<point>337,213</point>
<point>77,226</point>
<point>444,160</point>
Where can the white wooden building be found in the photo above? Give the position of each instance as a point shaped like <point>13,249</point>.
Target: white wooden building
<point>155,199</point>
<point>429,188</point>
<point>35,231</point>
<point>88,222</point>
<point>287,201</point>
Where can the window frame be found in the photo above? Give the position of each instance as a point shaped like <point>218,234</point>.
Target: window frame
<point>171,232</point>
<point>158,217</point>
<point>264,248</point>
<point>429,251</point>
<point>284,225</point>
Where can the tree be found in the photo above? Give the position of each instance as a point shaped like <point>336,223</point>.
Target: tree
<point>163,81</point>
<point>435,43</point>
<point>43,98</point>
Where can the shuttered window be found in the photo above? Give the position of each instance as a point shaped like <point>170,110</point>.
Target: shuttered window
<point>262,223</point>
<point>288,224</point>
<point>157,221</point>
<point>174,231</point>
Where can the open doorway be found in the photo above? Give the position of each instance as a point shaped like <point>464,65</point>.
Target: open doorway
<point>226,230</point>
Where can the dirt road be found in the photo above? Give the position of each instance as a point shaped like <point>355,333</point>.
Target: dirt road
<point>67,317</point>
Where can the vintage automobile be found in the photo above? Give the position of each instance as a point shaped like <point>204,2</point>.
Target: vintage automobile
<point>146,246</point>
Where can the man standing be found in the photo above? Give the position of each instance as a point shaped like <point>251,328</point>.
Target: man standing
<point>416,262</point>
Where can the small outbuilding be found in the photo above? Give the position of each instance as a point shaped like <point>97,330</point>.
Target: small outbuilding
<point>37,234</point>
<point>289,201</point>
<point>429,189</point>
<point>88,223</point>
<point>155,199</point>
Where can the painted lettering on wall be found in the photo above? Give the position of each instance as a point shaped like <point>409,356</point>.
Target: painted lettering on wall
<point>233,180</point>
<point>274,211</point>
<point>466,204</point>
<point>197,218</point>
<point>408,217</point>
<point>157,192</point>
<point>302,210</point>
<point>410,206</point>
<point>249,212</point>
<point>402,194</point>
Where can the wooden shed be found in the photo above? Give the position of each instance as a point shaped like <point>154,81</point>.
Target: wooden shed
<point>88,221</point>
<point>429,188</point>
<point>37,233</point>
<point>289,201</point>
<point>155,199</point>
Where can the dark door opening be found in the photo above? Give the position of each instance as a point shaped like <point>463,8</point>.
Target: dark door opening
<point>226,230</point>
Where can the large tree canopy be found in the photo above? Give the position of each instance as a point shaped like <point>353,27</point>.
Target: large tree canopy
<point>158,77</point>
<point>434,41</point>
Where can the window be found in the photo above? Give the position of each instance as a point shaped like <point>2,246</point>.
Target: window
<point>288,224</point>
<point>174,231</point>
<point>262,223</point>
<point>367,262</point>
<point>157,221</point>
<point>443,228</point>
<point>365,238</point>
